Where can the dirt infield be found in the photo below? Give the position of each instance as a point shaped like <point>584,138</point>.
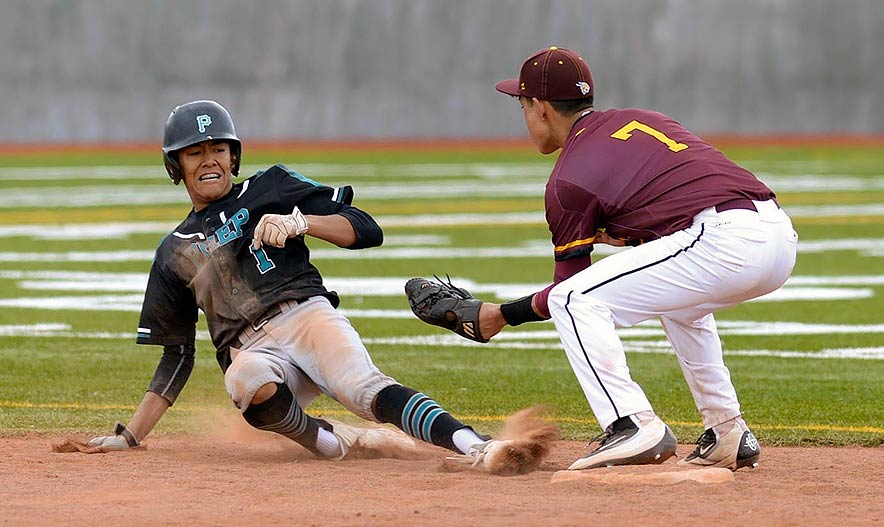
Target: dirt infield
<point>264,480</point>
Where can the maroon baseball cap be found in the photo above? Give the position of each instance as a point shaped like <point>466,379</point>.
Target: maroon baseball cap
<point>551,74</point>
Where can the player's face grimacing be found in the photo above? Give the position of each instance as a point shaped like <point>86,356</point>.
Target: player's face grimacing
<point>207,174</point>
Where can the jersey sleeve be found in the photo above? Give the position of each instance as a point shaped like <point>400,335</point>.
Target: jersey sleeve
<point>315,198</point>
<point>169,312</point>
<point>310,196</point>
<point>574,217</point>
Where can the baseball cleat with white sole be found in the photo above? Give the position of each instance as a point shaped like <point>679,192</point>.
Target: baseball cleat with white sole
<point>373,443</point>
<point>525,442</point>
<point>735,449</point>
<point>503,457</point>
<point>627,442</point>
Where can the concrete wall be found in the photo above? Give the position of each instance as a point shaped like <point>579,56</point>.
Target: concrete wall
<point>96,70</point>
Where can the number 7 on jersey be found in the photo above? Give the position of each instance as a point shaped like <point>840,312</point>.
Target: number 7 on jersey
<point>625,133</point>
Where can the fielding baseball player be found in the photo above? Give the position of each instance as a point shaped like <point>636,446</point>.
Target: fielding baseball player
<point>706,234</point>
<point>240,257</point>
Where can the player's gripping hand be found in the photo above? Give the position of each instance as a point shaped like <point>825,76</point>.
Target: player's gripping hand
<point>122,439</point>
<point>275,229</point>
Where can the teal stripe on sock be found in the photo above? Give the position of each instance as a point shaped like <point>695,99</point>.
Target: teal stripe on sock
<point>421,410</point>
<point>428,424</point>
<point>407,410</point>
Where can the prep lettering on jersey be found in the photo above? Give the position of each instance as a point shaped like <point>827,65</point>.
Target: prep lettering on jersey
<point>199,252</point>
<point>231,230</point>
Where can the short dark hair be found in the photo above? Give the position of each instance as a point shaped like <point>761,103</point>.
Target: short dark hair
<point>571,106</point>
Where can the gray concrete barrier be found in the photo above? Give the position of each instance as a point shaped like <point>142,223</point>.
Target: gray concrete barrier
<point>110,70</point>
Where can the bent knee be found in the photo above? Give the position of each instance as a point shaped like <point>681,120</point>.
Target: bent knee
<point>264,392</point>
<point>248,378</point>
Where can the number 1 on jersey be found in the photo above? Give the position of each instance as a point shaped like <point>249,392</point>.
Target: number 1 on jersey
<point>624,134</point>
<point>264,262</point>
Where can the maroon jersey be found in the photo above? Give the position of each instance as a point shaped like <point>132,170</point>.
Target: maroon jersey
<point>634,175</point>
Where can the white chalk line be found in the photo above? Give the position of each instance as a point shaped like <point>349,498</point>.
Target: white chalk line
<point>796,288</point>
<point>419,248</point>
<point>425,181</point>
<point>804,178</point>
<point>122,230</point>
<point>97,196</point>
<point>136,282</point>
<point>117,230</point>
<point>548,340</point>
<point>132,303</point>
<point>317,171</point>
<point>650,328</point>
<point>820,182</point>
<point>873,353</point>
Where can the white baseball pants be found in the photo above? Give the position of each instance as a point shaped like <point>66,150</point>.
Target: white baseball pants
<point>311,348</point>
<point>723,259</point>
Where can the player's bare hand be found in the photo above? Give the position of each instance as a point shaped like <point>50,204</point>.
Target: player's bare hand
<point>491,320</point>
<point>276,229</point>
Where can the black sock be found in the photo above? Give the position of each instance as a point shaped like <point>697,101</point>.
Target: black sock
<point>281,414</point>
<point>417,415</point>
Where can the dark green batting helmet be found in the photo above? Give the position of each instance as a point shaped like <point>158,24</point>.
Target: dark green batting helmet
<point>193,123</point>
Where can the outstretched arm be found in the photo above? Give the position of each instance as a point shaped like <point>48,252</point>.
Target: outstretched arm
<point>148,414</point>
<point>454,308</point>
<point>171,375</point>
<point>492,317</point>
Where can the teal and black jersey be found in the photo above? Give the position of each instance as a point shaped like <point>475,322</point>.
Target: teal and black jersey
<point>207,263</point>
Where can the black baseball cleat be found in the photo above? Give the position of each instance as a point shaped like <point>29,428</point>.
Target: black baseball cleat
<point>736,449</point>
<point>629,443</point>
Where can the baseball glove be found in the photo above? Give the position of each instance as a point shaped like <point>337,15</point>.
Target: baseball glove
<point>445,305</point>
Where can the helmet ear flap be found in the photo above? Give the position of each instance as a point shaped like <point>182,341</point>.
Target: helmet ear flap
<point>235,153</point>
<point>172,167</point>
<point>174,175</point>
